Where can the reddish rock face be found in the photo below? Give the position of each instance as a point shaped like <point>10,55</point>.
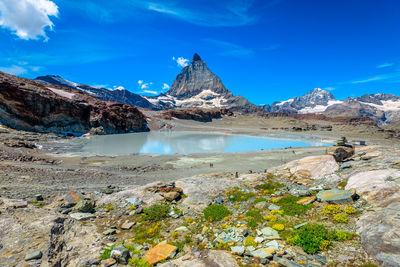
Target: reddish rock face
<point>197,114</point>
<point>36,106</point>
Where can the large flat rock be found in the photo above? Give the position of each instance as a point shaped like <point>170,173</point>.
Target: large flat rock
<point>205,258</point>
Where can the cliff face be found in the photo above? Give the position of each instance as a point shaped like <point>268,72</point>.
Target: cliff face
<point>35,106</point>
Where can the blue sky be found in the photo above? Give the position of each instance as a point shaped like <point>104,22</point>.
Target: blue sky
<point>265,50</point>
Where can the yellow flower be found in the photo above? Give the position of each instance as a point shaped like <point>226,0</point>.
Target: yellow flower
<point>324,245</point>
<point>277,211</point>
<point>341,218</point>
<point>332,209</point>
<point>278,226</point>
<point>350,210</point>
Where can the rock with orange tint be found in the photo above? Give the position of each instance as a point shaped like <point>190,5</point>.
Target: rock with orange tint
<point>204,258</point>
<point>160,252</point>
<point>306,200</point>
<point>336,195</point>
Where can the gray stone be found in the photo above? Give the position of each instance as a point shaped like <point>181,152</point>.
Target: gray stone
<point>120,253</point>
<point>109,232</point>
<point>299,192</point>
<point>336,195</point>
<point>274,207</point>
<point>34,255</point>
<point>239,250</point>
<point>261,205</point>
<point>272,245</point>
<point>345,165</point>
<point>127,225</point>
<point>80,216</point>
<point>261,253</point>
<point>182,229</point>
<point>300,225</point>
<point>259,239</point>
<point>269,233</point>
<point>285,262</point>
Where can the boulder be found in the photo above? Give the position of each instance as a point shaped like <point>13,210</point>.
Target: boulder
<point>120,253</point>
<point>336,195</point>
<point>34,255</point>
<point>340,153</point>
<point>380,234</point>
<point>160,252</point>
<point>313,167</point>
<point>170,196</point>
<point>204,258</point>
<point>379,187</point>
<point>80,216</point>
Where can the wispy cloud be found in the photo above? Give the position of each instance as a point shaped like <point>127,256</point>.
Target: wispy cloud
<point>230,49</point>
<point>371,79</point>
<point>222,13</point>
<point>150,92</point>
<point>28,19</point>
<point>385,65</point>
<point>329,88</point>
<point>14,70</point>
<point>181,61</point>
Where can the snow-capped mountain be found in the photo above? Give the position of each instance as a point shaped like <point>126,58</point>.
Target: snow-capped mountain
<point>196,86</point>
<point>315,101</point>
<point>119,95</point>
<point>383,108</point>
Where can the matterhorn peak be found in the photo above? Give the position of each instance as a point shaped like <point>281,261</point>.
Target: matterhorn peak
<point>196,57</point>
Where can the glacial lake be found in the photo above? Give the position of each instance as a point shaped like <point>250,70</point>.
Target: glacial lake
<point>184,143</point>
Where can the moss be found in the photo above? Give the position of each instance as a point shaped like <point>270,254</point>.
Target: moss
<point>291,208</point>
<point>341,218</point>
<point>145,233</point>
<point>106,252</point>
<point>343,235</point>
<point>253,217</point>
<point>332,209</point>
<point>369,265</point>
<point>249,241</point>
<point>312,238</point>
<point>278,226</point>
<point>109,208</point>
<point>237,195</point>
<point>156,212</point>
<point>215,212</point>
<point>261,199</point>
<point>139,262</point>
<point>350,210</point>
<point>270,187</point>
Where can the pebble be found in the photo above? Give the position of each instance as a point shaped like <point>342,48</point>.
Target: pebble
<point>274,207</point>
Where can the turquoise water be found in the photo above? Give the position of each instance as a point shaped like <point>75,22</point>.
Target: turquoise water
<point>184,143</point>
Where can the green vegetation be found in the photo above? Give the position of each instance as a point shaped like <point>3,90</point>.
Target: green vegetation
<point>237,195</point>
<point>215,212</point>
<point>270,187</point>
<point>106,253</point>
<point>109,208</point>
<point>181,244</point>
<point>369,265</point>
<point>343,235</point>
<point>261,199</point>
<point>253,217</point>
<point>249,241</point>
<point>291,208</point>
<point>332,209</point>
<point>312,238</point>
<point>139,262</point>
<point>145,233</point>
<point>156,212</point>
<point>341,218</point>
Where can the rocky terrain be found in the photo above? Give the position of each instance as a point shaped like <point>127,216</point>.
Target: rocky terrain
<point>339,208</point>
<point>382,108</point>
<point>120,95</point>
<point>35,106</point>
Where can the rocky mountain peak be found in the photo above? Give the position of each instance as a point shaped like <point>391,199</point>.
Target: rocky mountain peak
<point>194,79</point>
<point>196,57</point>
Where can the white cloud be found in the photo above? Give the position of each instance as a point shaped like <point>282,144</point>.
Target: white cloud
<point>181,61</point>
<point>140,82</point>
<point>100,85</point>
<point>150,92</point>
<point>165,86</point>
<point>14,70</point>
<point>28,19</point>
<point>329,88</point>
<point>385,65</point>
